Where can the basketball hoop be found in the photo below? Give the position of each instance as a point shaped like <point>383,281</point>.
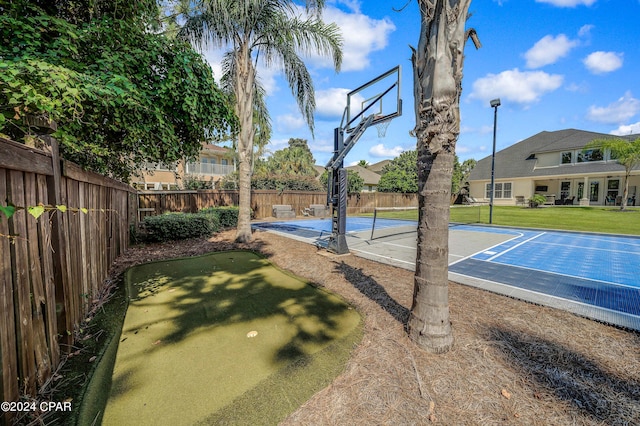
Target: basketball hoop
<point>382,128</point>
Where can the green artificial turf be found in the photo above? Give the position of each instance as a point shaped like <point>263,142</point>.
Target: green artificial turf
<point>184,355</point>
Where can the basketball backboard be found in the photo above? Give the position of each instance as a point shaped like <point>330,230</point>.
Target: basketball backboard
<point>379,96</point>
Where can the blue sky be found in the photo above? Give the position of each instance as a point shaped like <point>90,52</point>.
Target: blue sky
<point>555,64</point>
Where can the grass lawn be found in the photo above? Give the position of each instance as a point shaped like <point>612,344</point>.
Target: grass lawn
<point>568,218</point>
<point>212,339</point>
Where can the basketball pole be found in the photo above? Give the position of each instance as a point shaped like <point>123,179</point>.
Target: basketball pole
<point>337,185</point>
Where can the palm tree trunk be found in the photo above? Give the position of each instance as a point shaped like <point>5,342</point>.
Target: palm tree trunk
<point>245,78</point>
<point>437,67</point>
<point>429,324</point>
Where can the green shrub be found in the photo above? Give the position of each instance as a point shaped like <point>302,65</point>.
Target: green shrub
<point>537,200</point>
<point>227,216</point>
<point>180,226</point>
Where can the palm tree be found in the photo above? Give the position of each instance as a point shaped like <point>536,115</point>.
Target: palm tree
<point>437,69</point>
<point>268,30</point>
<point>625,152</point>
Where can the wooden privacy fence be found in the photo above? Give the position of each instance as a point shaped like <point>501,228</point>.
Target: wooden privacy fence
<point>52,267</point>
<point>152,203</point>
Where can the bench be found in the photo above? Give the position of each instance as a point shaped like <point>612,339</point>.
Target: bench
<point>318,210</point>
<point>283,211</point>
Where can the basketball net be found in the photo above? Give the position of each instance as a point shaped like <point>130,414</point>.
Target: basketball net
<point>382,128</point>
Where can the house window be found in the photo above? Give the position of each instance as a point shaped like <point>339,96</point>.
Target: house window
<point>502,190</point>
<point>594,188</point>
<point>613,187</point>
<point>170,167</point>
<point>566,157</point>
<point>224,162</point>
<point>590,155</point>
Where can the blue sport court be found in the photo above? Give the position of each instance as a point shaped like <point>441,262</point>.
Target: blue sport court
<point>593,275</point>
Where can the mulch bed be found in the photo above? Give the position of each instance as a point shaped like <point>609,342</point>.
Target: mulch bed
<point>512,363</point>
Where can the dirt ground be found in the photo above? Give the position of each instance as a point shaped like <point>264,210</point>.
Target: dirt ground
<point>512,363</point>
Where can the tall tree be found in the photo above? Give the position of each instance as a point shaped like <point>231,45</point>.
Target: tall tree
<point>400,175</point>
<point>625,152</point>
<point>460,176</point>
<point>437,69</point>
<point>296,159</point>
<point>109,82</point>
<point>272,30</point>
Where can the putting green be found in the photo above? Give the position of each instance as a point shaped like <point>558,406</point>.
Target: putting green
<point>223,338</point>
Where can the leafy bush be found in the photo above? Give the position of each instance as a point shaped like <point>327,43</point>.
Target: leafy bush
<point>537,200</point>
<point>401,174</point>
<point>180,226</point>
<point>355,182</point>
<point>279,182</point>
<point>191,182</point>
<point>227,216</point>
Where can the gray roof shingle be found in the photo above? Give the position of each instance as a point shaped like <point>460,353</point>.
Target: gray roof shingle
<point>518,160</point>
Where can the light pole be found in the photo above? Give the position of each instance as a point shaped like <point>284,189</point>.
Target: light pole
<point>495,103</point>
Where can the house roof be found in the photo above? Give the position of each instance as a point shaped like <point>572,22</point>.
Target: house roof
<point>377,167</point>
<point>214,149</point>
<point>370,178</point>
<point>518,160</point>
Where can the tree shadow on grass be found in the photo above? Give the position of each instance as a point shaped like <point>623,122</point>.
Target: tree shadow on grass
<point>177,301</point>
<point>369,287</point>
<point>572,377</point>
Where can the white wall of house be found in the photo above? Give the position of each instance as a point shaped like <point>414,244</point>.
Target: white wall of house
<point>600,190</point>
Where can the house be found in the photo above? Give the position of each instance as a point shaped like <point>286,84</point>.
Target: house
<point>370,174</point>
<point>371,179</point>
<point>214,163</point>
<point>554,164</point>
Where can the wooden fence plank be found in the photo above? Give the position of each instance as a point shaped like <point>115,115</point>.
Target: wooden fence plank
<point>24,323</point>
<point>9,391</point>
<point>40,347</point>
<point>46,255</point>
<point>17,156</point>
<point>44,274</point>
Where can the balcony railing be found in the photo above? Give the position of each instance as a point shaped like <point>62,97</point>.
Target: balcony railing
<point>206,169</point>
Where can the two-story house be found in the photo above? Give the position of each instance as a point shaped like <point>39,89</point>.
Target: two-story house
<point>214,163</point>
<point>554,164</point>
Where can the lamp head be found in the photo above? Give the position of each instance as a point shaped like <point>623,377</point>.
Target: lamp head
<point>495,103</point>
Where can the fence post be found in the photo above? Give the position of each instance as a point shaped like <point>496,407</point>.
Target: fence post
<point>58,227</point>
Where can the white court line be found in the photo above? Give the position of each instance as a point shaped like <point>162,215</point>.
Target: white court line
<point>414,246</point>
<point>484,250</point>
<point>384,257</point>
<point>517,245</point>
<point>592,248</point>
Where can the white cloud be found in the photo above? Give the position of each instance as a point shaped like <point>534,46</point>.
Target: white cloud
<point>585,30</point>
<point>627,129</point>
<point>382,151</point>
<point>567,3</point>
<point>548,50</point>
<point>515,86</point>
<point>616,112</point>
<point>330,103</point>
<point>603,62</point>
<point>290,122</point>
<point>353,5</point>
<point>214,58</point>
<point>361,34</point>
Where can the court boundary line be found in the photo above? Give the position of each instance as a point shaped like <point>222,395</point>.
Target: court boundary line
<point>485,250</point>
<point>521,243</point>
<point>585,310</point>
